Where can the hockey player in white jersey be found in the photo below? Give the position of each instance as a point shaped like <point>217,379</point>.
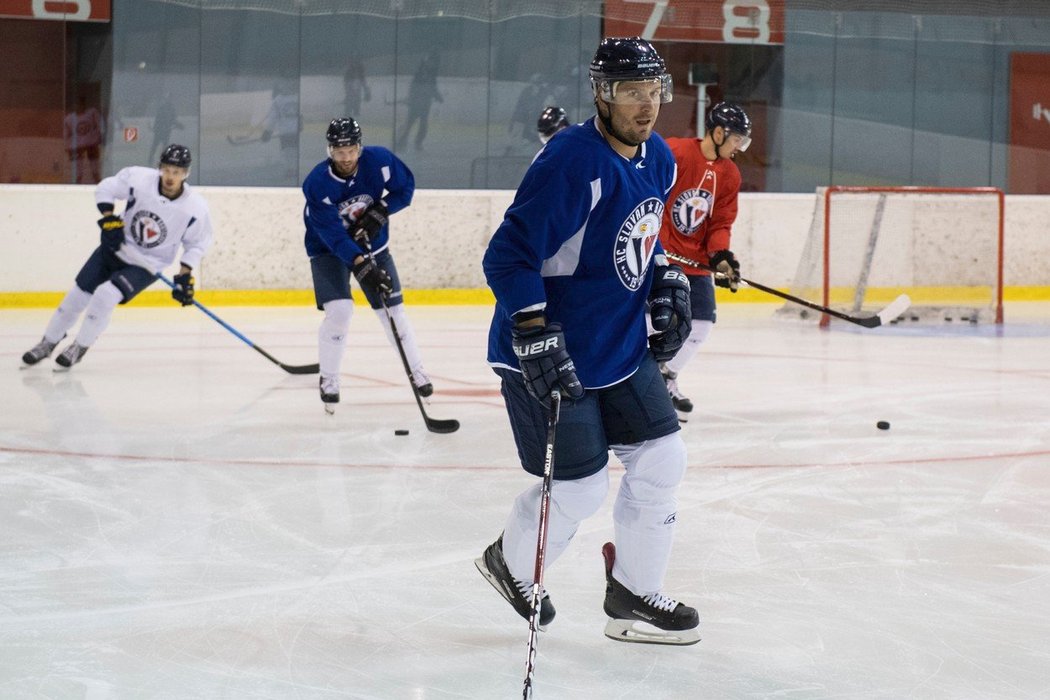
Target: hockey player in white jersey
<point>576,267</point>
<point>161,214</point>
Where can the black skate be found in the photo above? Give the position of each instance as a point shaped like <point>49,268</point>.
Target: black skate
<point>518,593</point>
<point>682,406</point>
<point>652,619</point>
<point>40,351</point>
<point>329,392</point>
<point>422,383</point>
<point>70,356</point>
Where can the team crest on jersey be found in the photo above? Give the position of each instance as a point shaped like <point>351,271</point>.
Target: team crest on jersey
<point>350,210</point>
<point>148,229</point>
<point>635,242</point>
<point>690,210</point>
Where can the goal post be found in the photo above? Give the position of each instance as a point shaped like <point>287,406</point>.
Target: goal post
<point>943,246</point>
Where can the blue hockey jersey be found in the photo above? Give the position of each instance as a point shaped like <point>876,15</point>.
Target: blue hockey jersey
<point>333,203</point>
<point>579,240</point>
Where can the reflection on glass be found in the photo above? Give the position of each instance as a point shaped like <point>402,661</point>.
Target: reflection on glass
<point>83,130</point>
<point>422,93</point>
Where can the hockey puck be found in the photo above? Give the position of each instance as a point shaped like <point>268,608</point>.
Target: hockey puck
<point>883,425</point>
<point>405,432</point>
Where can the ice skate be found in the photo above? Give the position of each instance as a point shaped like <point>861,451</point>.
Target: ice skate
<point>682,405</point>
<point>40,351</point>
<point>518,593</point>
<point>70,356</point>
<point>651,619</point>
<point>422,383</point>
<point>329,384</point>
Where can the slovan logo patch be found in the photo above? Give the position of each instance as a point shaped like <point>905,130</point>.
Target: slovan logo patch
<point>148,229</point>
<point>350,210</point>
<point>635,242</point>
<point>690,210</point>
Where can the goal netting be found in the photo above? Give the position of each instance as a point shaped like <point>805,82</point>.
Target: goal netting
<point>941,246</point>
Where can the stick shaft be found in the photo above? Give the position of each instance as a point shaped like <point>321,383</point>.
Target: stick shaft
<point>541,541</point>
<point>867,322</point>
<point>291,369</point>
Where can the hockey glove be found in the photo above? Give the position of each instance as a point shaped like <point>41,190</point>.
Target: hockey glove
<point>545,363</point>
<point>182,292</point>
<point>727,270</point>
<point>669,311</point>
<point>370,223</point>
<point>371,276</point>
<point>112,228</point>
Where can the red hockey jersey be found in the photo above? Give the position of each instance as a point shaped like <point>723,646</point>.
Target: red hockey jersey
<point>702,205</point>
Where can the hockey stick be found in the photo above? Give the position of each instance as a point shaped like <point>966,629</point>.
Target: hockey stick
<point>541,541</point>
<point>243,140</point>
<point>434,425</point>
<point>290,369</point>
<point>892,311</point>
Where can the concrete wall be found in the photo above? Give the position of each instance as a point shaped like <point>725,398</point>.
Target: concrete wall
<point>47,231</point>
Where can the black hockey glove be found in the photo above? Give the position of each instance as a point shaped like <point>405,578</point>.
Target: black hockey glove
<point>728,269</point>
<point>371,276</point>
<point>669,311</point>
<point>545,363</point>
<point>182,292</point>
<point>369,224</point>
<point>112,228</point>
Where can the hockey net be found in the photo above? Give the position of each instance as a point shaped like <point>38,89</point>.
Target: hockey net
<point>942,246</point>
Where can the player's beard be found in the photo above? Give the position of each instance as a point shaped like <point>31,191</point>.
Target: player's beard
<point>343,169</point>
<point>622,135</point>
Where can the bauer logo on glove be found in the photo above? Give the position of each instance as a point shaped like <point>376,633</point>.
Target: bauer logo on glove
<point>537,347</point>
<point>112,231</point>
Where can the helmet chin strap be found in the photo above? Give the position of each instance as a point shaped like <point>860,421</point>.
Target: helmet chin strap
<point>718,146</point>
<point>605,120</point>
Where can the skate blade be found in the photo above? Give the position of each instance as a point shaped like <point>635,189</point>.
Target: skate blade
<point>329,408</point>
<point>494,582</point>
<point>643,633</point>
<point>682,417</point>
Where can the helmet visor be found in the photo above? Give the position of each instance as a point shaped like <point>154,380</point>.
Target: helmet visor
<point>738,141</point>
<point>656,90</point>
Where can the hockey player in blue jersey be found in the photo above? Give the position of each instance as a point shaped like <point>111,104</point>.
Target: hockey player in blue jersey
<point>576,268</point>
<point>551,121</point>
<point>349,198</point>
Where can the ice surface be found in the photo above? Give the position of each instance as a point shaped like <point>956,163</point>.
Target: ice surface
<point>180,519</point>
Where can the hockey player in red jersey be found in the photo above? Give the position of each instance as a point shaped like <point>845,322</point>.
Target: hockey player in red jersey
<point>697,225</point>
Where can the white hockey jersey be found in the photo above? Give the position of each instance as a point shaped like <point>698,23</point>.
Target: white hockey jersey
<point>155,226</point>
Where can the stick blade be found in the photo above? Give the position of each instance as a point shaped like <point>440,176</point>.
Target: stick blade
<point>436,425</point>
<point>301,369</point>
<point>895,309</point>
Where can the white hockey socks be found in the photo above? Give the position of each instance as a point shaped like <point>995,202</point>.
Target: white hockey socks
<point>699,333</point>
<point>571,503</point>
<point>331,336</point>
<point>645,511</point>
<point>66,315</point>
<point>404,331</point>
<point>98,313</point>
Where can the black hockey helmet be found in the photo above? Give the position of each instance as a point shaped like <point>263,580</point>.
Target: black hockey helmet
<point>343,131</point>
<point>551,121</point>
<point>627,58</point>
<point>176,155</point>
<point>730,117</point>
